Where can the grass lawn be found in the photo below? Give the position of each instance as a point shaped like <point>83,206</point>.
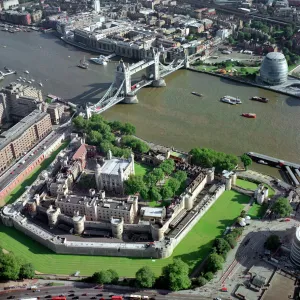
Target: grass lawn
<point>19,190</point>
<point>246,184</point>
<point>141,169</point>
<point>192,249</point>
<point>257,211</point>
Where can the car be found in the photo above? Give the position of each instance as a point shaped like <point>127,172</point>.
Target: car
<point>71,295</point>
<point>71,291</point>
<point>75,297</point>
<point>93,297</point>
<point>48,296</point>
<point>11,297</point>
<point>99,295</point>
<point>85,294</point>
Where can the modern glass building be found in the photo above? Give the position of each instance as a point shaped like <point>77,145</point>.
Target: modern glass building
<point>274,69</point>
<point>295,251</point>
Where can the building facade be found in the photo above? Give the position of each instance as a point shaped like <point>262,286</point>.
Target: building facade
<point>22,137</point>
<point>112,174</point>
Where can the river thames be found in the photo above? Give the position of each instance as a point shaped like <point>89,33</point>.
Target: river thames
<point>169,116</point>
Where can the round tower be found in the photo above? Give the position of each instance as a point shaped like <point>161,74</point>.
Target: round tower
<point>233,179</point>
<point>117,226</point>
<point>157,232</point>
<point>52,215</point>
<point>78,222</point>
<point>228,183</point>
<point>188,202</point>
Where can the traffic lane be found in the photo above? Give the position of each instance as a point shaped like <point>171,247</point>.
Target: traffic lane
<point>19,167</point>
<point>71,292</point>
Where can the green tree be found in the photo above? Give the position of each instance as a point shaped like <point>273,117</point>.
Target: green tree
<point>80,123</point>
<point>241,36</point>
<point>176,275</point>
<point>209,276</point>
<point>9,267</point>
<point>167,166</point>
<point>288,32</point>
<point>181,176</point>
<point>166,192</point>
<point>102,277</point>
<point>230,40</point>
<point>27,271</point>
<point>273,242</point>
<point>114,276</point>
<point>222,246</point>
<point>154,194</point>
<point>247,36</point>
<point>135,144</point>
<point>158,173</point>
<point>115,125</point>
<point>145,277</point>
<point>202,281</point>
<point>231,240</point>
<point>174,184</point>
<point>214,262</point>
<point>282,207</point>
<point>94,138</point>
<point>105,146</point>
<point>134,184</point>
<point>150,179</point>
<point>246,160</point>
<point>144,193</point>
<point>128,129</point>
<point>272,40</point>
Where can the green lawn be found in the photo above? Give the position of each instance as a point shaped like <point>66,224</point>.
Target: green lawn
<point>192,249</point>
<point>246,184</point>
<point>252,186</point>
<point>141,169</point>
<point>257,211</point>
<point>19,190</point>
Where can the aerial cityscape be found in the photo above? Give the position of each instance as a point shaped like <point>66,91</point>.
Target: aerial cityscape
<point>149,149</point>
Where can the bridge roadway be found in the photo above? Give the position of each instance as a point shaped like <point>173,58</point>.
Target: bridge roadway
<point>85,292</point>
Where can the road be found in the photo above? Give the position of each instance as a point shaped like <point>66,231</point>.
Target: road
<point>71,292</point>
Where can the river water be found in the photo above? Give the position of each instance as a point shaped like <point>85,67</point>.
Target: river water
<point>170,116</point>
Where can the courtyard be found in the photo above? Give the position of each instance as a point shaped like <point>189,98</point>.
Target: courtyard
<point>193,248</point>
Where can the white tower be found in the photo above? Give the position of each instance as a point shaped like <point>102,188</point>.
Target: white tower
<point>97,7</point>
<point>98,177</point>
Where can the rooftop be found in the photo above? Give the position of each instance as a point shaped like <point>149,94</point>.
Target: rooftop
<point>152,212</point>
<point>112,166</point>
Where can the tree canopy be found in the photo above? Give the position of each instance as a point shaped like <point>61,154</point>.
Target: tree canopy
<point>222,246</point>
<point>134,184</point>
<point>27,271</point>
<point>282,207</point>
<point>246,160</point>
<point>145,277</point>
<point>176,275</point>
<point>167,166</point>
<point>9,266</point>
<point>214,262</point>
<point>202,281</point>
<point>102,277</point>
<point>208,158</point>
<point>273,242</point>
<point>135,144</point>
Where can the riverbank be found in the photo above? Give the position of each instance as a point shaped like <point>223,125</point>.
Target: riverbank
<point>248,82</point>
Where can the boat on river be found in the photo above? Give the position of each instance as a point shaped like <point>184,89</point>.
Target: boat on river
<point>231,100</point>
<point>249,115</point>
<point>262,162</point>
<point>260,99</point>
<point>101,60</point>
<point>83,64</point>
<point>197,94</point>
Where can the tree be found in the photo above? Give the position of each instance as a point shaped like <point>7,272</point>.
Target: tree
<point>214,262</point>
<point>27,271</point>
<point>174,184</point>
<point>144,193</point>
<point>202,281</point>
<point>9,267</point>
<point>166,192</point>
<point>243,214</point>
<point>145,278</point>
<point>176,275</point>
<point>80,123</point>
<point>134,184</point>
<point>247,36</point>
<point>273,242</point>
<point>230,40</point>
<point>154,194</point>
<point>246,160</point>
<point>114,275</point>
<point>135,144</point>
<point>167,166</point>
<point>158,173</point>
<point>150,179</point>
<point>181,176</point>
<point>102,277</point>
<point>272,40</point>
<point>128,129</point>
<point>231,240</point>
<point>282,207</point>
<point>115,125</point>
<point>241,36</point>
<point>222,246</point>
<point>288,32</point>
<point>94,138</point>
<point>209,276</point>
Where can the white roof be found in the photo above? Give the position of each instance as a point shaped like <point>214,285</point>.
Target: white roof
<point>112,166</point>
<point>154,212</point>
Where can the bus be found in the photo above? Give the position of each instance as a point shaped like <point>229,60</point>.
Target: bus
<point>135,297</point>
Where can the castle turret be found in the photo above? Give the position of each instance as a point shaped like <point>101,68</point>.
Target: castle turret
<point>117,225</point>
<point>52,215</point>
<point>109,154</point>
<point>78,222</point>
<point>98,176</point>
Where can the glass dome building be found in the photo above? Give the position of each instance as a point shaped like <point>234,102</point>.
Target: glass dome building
<point>274,69</point>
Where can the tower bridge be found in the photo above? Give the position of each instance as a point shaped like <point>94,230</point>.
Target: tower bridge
<point>122,88</point>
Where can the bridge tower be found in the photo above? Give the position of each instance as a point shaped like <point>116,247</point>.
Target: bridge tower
<point>153,70</point>
<point>123,74</point>
<point>186,60</point>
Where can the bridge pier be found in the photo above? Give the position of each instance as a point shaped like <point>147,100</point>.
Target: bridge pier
<point>159,82</point>
<point>130,99</point>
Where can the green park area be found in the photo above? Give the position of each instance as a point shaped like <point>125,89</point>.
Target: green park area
<point>141,169</point>
<point>253,186</point>
<point>19,190</point>
<point>192,249</point>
